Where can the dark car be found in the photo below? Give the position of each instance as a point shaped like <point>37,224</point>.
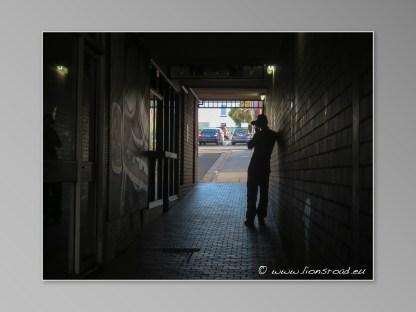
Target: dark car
<point>211,135</point>
<point>241,135</point>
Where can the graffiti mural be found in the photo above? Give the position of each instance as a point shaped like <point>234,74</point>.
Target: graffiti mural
<point>128,130</point>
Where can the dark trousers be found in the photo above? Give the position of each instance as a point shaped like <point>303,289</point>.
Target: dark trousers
<point>256,181</point>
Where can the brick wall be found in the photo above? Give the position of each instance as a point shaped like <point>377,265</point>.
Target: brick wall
<point>321,180</point>
<point>188,140</point>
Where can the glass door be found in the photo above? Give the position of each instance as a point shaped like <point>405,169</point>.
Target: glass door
<point>155,147</point>
<point>163,140</point>
<point>59,153</point>
<point>86,190</point>
<point>71,100</point>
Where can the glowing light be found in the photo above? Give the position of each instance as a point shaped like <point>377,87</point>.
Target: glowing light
<point>270,69</point>
<point>262,96</point>
<point>62,70</point>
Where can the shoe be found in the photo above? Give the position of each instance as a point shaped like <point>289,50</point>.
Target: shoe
<point>249,224</point>
<point>261,221</point>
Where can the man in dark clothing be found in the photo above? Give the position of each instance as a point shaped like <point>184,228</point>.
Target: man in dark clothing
<point>259,170</point>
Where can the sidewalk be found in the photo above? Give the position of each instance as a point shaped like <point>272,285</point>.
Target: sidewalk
<point>229,167</point>
<point>203,237</point>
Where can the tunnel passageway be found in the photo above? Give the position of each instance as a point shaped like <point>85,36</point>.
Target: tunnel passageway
<point>129,170</point>
<point>202,238</point>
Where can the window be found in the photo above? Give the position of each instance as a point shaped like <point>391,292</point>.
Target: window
<point>153,123</point>
<point>223,111</point>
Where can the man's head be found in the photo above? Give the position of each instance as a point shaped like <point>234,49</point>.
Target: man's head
<point>260,122</point>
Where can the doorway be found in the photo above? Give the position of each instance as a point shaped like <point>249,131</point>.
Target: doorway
<point>73,104</point>
<point>163,140</point>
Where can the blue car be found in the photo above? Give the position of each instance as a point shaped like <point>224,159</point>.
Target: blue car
<point>211,135</point>
<point>241,135</point>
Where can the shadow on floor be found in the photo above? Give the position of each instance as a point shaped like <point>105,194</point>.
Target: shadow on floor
<point>203,237</point>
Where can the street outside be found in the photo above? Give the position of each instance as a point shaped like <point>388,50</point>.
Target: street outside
<point>223,163</point>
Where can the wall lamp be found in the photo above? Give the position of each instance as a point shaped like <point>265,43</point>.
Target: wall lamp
<point>62,70</point>
<point>270,69</point>
<point>262,96</point>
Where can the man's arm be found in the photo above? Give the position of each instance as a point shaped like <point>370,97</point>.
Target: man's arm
<point>279,138</point>
<point>253,141</point>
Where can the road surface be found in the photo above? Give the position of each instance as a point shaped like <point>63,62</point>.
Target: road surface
<point>205,161</point>
<point>226,163</point>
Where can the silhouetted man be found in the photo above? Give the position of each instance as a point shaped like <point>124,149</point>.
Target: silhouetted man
<point>259,170</point>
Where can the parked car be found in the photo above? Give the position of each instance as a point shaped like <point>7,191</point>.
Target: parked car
<point>241,135</point>
<point>211,135</point>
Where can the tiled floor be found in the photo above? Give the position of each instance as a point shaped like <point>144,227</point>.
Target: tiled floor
<point>203,237</point>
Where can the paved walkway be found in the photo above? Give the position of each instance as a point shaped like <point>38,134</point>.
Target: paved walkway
<point>203,237</point>
<point>230,167</point>
<point>205,162</point>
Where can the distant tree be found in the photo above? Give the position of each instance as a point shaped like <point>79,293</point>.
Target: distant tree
<point>240,115</point>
